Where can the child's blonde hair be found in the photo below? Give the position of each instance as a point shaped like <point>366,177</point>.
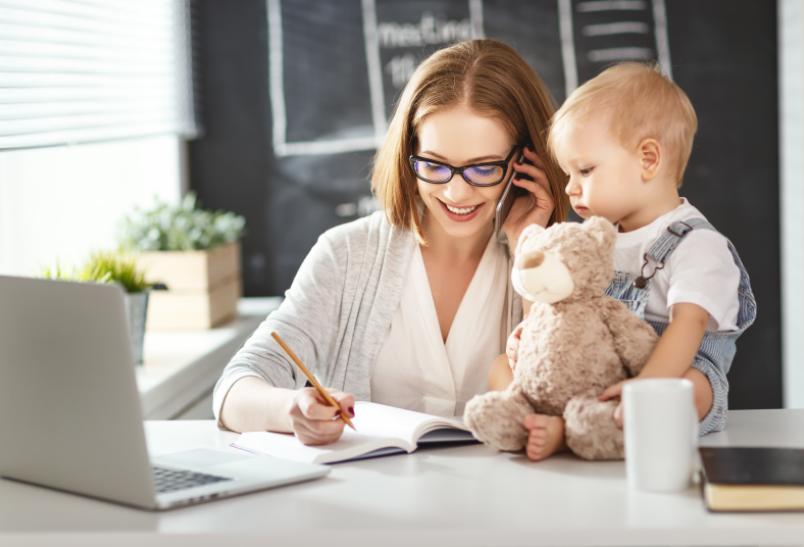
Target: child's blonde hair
<point>642,103</point>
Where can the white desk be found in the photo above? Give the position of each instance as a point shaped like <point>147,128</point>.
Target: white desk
<point>455,496</point>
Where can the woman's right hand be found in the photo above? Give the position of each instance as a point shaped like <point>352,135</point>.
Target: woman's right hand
<point>314,421</point>
<point>536,207</point>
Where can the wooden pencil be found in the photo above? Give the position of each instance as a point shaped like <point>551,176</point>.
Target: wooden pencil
<point>327,397</point>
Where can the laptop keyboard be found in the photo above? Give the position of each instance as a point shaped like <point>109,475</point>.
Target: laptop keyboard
<point>170,480</point>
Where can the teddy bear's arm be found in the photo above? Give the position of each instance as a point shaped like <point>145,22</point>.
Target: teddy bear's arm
<point>634,339</point>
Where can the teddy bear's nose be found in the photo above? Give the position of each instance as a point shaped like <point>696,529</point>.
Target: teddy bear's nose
<point>533,260</point>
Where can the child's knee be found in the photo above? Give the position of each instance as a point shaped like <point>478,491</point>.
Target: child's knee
<point>704,396</point>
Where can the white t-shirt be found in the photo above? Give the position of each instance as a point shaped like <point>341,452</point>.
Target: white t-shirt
<point>415,368</point>
<point>701,270</point>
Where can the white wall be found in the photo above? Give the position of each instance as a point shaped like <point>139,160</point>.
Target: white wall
<point>791,72</point>
<point>64,202</point>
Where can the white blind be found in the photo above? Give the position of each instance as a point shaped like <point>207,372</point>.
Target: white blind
<point>90,70</point>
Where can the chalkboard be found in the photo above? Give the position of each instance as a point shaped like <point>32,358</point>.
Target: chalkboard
<point>296,94</point>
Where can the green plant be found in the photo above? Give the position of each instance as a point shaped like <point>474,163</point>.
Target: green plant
<point>104,267</point>
<point>182,227</point>
<point>57,272</point>
<point>110,267</point>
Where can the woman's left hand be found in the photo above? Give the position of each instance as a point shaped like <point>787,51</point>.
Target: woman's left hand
<point>534,208</point>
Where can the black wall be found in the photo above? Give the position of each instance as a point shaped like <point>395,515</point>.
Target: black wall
<point>722,52</point>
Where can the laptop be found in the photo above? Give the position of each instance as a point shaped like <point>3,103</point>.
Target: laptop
<point>70,414</point>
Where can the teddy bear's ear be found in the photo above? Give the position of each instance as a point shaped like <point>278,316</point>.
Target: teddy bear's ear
<point>529,231</point>
<point>602,230</point>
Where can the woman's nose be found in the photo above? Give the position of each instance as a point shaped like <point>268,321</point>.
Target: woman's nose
<point>458,189</point>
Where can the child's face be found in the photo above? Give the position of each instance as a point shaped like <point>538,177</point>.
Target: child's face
<point>604,176</point>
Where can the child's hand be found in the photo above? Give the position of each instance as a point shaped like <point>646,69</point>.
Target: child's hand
<point>612,391</point>
<point>618,415</point>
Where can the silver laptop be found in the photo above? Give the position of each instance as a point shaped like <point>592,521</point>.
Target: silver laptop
<point>70,415</point>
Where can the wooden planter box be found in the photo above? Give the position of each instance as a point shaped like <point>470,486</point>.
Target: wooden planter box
<point>203,287</point>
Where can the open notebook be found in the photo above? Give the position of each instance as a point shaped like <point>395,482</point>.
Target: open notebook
<point>381,430</point>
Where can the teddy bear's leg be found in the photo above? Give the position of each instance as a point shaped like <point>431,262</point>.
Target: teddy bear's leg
<point>495,418</point>
<point>590,430</point>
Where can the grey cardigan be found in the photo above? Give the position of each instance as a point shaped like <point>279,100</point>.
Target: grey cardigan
<point>337,311</point>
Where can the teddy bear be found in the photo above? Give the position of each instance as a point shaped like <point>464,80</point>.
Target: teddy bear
<point>574,342</point>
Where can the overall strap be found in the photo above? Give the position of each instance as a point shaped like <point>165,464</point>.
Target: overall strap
<point>658,253</point>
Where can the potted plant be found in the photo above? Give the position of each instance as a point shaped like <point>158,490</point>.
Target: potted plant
<point>195,253</point>
<point>111,267</point>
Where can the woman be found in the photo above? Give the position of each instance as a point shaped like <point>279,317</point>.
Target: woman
<point>411,305</point>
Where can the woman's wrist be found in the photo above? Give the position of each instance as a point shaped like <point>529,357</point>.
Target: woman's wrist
<point>254,405</point>
<point>512,238</point>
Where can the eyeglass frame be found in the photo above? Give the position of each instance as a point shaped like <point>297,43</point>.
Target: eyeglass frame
<point>459,170</point>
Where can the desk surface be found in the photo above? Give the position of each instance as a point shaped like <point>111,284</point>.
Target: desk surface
<point>466,495</point>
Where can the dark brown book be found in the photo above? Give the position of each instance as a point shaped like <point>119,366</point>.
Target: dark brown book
<point>752,478</point>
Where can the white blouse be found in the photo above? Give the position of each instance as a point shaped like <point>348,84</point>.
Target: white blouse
<point>415,368</point>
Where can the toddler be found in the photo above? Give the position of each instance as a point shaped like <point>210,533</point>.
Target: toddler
<point>624,138</point>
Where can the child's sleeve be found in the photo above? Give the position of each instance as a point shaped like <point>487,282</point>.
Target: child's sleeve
<point>702,271</point>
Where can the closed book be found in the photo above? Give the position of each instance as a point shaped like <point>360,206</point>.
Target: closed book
<point>752,478</point>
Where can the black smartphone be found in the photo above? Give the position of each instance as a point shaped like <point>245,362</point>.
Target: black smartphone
<point>510,193</point>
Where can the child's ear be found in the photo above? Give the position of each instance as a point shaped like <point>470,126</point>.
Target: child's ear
<point>650,156</point>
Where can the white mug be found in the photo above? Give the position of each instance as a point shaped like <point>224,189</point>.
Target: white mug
<point>661,433</point>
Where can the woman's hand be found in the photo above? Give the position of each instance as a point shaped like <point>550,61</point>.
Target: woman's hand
<point>536,207</point>
<point>314,421</point>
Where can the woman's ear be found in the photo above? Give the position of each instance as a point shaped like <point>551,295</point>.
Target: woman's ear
<point>650,157</point>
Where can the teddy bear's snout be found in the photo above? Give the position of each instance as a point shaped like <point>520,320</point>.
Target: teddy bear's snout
<point>534,259</point>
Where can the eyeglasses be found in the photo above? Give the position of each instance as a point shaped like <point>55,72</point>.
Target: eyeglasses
<point>488,173</point>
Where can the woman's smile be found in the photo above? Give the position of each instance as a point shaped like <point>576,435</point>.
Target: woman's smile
<point>461,214</point>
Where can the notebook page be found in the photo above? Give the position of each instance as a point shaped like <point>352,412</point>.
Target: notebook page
<point>378,427</point>
<point>386,421</point>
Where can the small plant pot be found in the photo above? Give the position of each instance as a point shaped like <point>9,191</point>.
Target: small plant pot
<point>203,287</point>
<point>137,311</point>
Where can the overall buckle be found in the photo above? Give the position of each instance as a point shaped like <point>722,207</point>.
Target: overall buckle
<point>680,225</point>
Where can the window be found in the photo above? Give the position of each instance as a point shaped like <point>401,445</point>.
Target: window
<point>83,71</point>
<point>95,99</point>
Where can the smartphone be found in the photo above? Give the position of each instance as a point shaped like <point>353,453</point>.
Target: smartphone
<point>510,193</point>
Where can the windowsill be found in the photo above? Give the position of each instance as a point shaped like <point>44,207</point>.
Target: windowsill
<point>181,367</point>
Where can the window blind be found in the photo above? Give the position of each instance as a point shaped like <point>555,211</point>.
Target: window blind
<point>76,71</point>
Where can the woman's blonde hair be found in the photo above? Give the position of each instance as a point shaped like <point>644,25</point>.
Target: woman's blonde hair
<point>641,103</point>
<point>493,80</point>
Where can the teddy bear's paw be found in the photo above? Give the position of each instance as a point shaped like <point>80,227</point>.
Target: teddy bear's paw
<point>590,430</point>
<point>495,418</point>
